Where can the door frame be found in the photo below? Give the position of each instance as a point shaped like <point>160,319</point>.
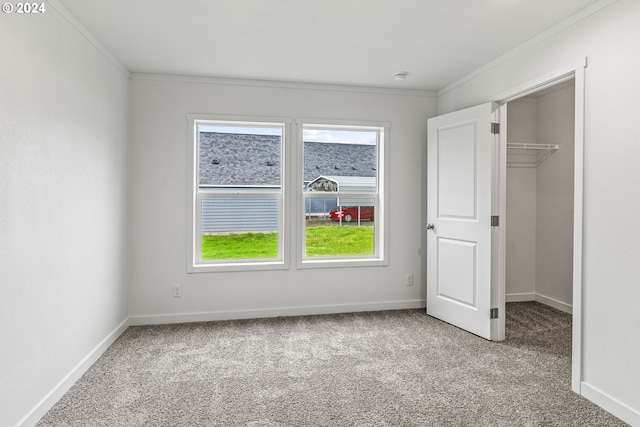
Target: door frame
<point>572,71</point>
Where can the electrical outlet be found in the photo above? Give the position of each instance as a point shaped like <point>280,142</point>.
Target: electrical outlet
<point>408,279</point>
<point>177,291</point>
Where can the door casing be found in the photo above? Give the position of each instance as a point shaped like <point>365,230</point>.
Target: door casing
<point>575,71</point>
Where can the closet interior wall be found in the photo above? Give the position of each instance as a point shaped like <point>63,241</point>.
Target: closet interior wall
<point>539,240</point>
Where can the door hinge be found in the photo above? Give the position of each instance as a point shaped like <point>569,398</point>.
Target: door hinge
<point>493,313</point>
<point>495,128</point>
<point>495,220</point>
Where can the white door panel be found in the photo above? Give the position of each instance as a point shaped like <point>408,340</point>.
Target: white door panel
<point>465,271</point>
<point>461,157</point>
<point>456,171</point>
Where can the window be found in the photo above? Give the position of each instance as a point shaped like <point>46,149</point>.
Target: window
<point>237,199</point>
<point>238,182</point>
<point>342,194</point>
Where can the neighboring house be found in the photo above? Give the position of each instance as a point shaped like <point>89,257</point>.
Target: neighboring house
<point>224,161</point>
<point>239,160</point>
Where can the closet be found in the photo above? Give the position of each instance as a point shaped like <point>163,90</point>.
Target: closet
<point>539,217</point>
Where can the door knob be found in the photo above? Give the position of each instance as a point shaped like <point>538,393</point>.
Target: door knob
<point>431,226</point>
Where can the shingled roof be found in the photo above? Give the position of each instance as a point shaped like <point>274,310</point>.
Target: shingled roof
<point>240,160</point>
<point>324,159</point>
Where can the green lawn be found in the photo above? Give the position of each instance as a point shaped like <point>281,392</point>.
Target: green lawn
<point>329,239</point>
<point>337,240</point>
<point>241,245</point>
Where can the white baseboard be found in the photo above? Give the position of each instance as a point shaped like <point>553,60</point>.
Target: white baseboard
<point>159,319</point>
<point>610,404</point>
<point>542,299</point>
<point>551,302</point>
<point>529,296</point>
<point>69,380</point>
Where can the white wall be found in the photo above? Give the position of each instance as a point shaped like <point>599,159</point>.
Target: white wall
<point>63,143</point>
<point>521,206</point>
<point>159,203</point>
<point>554,207</point>
<point>540,201</point>
<point>611,336</point>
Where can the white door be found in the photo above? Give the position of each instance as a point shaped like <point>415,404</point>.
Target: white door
<point>462,154</point>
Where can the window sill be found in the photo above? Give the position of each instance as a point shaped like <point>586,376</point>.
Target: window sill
<point>341,262</point>
<point>237,266</point>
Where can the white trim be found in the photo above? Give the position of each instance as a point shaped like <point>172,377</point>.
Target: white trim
<point>64,13</point>
<point>308,310</point>
<point>193,198</point>
<point>545,81</point>
<point>578,227</point>
<point>239,265</point>
<point>381,233</point>
<point>552,302</point>
<point>498,234</point>
<point>521,297</point>
<point>47,402</point>
<point>576,71</point>
<point>542,299</point>
<point>610,404</point>
<point>339,124</point>
<point>234,81</point>
<point>551,32</point>
<point>560,90</point>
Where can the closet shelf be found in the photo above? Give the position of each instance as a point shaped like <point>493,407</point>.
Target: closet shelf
<point>528,155</point>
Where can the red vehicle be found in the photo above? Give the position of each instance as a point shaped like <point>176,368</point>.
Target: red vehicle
<point>349,214</point>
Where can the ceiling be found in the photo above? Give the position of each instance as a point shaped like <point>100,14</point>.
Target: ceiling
<point>345,42</point>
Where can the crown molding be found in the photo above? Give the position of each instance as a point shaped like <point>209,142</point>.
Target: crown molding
<point>231,81</point>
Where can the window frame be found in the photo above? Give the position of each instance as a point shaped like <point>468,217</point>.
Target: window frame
<point>195,263</point>
<point>381,203</point>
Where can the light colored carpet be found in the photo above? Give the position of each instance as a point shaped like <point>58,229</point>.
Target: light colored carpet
<point>393,368</point>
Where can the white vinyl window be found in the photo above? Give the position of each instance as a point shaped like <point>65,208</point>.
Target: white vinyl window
<point>237,213</point>
<point>342,194</point>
